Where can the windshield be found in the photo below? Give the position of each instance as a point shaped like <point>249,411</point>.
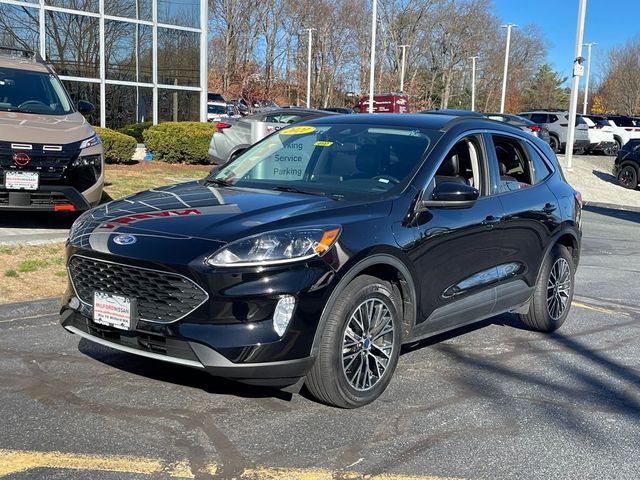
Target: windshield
<point>343,161</point>
<point>32,92</point>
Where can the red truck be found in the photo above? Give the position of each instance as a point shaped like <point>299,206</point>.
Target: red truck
<point>385,103</point>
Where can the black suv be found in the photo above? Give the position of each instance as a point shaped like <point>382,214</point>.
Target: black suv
<point>626,167</point>
<point>314,255</point>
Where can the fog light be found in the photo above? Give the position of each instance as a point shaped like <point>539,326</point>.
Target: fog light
<point>282,315</point>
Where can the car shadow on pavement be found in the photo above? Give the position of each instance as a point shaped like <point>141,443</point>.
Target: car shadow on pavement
<point>46,220</point>
<point>176,374</point>
<point>607,177</point>
<point>572,379</point>
<point>630,216</point>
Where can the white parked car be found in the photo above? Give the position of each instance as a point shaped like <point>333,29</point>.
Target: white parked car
<point>624,129</point>
<point>600,135</point>
<point>216,111</point>
<point>557,122</point>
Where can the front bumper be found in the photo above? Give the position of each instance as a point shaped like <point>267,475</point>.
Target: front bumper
<point>47,198</point>
<point>231,334</point>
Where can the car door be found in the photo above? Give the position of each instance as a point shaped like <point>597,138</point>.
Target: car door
<point>456,248</point>
<point>531,215</point>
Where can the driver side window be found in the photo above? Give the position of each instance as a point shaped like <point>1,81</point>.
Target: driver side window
<point>462,164</point>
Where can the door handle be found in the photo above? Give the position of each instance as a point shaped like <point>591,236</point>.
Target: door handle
<point>549,209</point>
<point>491,221</point>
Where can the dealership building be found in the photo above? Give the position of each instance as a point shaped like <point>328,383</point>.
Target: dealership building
<point>135,60</point>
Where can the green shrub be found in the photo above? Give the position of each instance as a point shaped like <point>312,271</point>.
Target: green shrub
<point>179,142</point>
<point>118,147</point>
<point>135,130</point>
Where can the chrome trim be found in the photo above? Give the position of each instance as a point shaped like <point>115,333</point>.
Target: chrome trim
<point>140,268</point>
<point>52,148</point>
<point>21,146</point>
<point>142,353</point>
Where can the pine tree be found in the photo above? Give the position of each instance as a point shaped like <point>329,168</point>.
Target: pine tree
<point>546,90</point>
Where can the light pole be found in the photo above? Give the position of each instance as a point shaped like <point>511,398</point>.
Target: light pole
<point>374,21</point>
<point>577,73</point>
<point>508,26</point>
<point>586,81</point>
<point>473,83</point>
<point>403,47</point>
<point>310,30</point>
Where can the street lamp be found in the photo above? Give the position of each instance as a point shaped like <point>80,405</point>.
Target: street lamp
<point>374,21</point>
<point>310,30</point>
<point>473,83</point>
<point>403,47</point>
<point>578,71</point>
<point>508,26</point>
<point>586,82</point>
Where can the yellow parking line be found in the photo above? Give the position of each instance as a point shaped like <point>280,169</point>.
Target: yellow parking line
<point>597,309</point>
<point>17,461</point>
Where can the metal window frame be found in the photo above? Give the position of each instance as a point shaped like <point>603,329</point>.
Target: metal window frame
<point>102,80</point>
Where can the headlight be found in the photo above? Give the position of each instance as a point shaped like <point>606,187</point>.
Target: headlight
<point>91,160</point>
<point>90,142</point>
<point>281,246</point>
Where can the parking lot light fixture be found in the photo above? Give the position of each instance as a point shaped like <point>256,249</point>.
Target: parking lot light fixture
<point>404,48</point>
<point>577,60</point>
<point>473,83</point>
<point>586,81</point>
<point>310,30</point>
<point>374,20</point>
<point>508,26</point>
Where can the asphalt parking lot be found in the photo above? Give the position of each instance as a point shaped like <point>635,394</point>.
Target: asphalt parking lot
<point>489,402</point>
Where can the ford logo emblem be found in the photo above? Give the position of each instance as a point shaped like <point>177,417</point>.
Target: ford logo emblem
<point>125,239</point>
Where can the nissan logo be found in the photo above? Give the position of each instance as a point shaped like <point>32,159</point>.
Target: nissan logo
<point>125,239</point>
<point>21,159</point>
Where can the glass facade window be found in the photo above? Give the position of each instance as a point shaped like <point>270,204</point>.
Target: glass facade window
<point>19,27</point>
<point>178,105</point>
<point>128,105</point>
<point>178,55</point>
<point>185,13</point>
<point>112,61</point>
<point>81,5</point>
<point>135,9</point>
<point>73,44</point>
<point>128,51</point>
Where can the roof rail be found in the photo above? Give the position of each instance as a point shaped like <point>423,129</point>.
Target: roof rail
<point>21,53</point>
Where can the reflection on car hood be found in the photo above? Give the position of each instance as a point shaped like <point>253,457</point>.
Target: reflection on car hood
<point>33,128</point>
<point>193,211</point>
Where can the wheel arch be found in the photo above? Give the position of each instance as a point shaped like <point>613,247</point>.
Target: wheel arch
<point>383,266</point>
<point>567,238</point>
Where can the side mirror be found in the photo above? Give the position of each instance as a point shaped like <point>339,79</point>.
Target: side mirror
<point>451,195</point>
<point>85,107</point>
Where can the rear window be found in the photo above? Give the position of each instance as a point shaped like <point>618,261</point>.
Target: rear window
<point>539,117</point>
<point>603,122</point>
<point>623,121</point>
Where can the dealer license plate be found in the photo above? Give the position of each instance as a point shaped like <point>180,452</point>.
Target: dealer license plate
<point>113,310</point>
<point>21,180</point>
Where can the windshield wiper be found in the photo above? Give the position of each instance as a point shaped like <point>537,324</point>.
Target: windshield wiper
<point>283,188</point>
<point>219,182</point>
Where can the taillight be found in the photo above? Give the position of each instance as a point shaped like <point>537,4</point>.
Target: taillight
<point>221,126</point>
<point>629,129</point>
<point>534,128</point>
<point>578,197</point>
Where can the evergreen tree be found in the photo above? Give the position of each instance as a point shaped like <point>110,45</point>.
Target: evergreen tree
<point>546,90</point>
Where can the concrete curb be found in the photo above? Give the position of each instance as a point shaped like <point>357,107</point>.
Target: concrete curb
<point>612,206</point>
<point>47,306</point>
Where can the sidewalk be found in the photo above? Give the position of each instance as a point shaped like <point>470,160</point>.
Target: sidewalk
<point>591,176</point>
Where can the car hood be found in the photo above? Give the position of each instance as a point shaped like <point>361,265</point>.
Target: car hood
<point>33,128</point>
<point>205,217</point>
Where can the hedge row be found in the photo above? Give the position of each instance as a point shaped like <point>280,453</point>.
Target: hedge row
<point>136,130</point>
<point>118,148</point>
<point>179,142</point>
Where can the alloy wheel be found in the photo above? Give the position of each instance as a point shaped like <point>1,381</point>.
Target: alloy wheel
<point>558,288</point>
<point>626,177</point>
<point>367,344</point>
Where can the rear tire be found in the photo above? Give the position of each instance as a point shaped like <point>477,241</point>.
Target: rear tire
<point>553,293</point>
<point>628,177</point>
<point>360,345</point>
<point>554,143</point>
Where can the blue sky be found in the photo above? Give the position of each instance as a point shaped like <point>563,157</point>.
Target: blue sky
<point>608,23</point>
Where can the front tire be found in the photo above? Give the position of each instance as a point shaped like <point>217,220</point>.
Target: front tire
<point>554,143</point>
<point>360,345</point>
<point>553,293</point>
<point>628,177</point>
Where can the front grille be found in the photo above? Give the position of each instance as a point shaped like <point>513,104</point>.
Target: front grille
<point>161,297</point>
<point>36,199</point>
<point>51,165</point>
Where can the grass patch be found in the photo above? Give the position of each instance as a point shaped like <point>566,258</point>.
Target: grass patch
<point>123,180</point>
<point>32,272</point>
